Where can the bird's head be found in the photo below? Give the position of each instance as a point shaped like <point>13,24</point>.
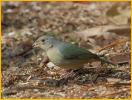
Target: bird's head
<point>44,42</point>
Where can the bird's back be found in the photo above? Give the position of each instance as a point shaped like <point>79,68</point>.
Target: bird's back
<point>71,51</point>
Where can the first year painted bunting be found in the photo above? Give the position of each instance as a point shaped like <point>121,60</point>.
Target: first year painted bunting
<point>66,55</point>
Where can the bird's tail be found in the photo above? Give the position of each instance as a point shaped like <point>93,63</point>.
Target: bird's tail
<point>103,60</point>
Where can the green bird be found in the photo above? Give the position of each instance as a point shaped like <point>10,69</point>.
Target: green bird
<point>66,55</point>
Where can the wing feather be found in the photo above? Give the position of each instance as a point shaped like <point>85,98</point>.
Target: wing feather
<point>71,51</point>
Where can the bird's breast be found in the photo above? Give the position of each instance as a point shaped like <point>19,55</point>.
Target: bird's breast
<point>55,56</point>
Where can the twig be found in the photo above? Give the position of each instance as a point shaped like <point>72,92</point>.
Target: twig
<point>112,44</point>
<point>116,92</point>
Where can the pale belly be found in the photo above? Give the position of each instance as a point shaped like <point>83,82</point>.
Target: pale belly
<point>56,58</point>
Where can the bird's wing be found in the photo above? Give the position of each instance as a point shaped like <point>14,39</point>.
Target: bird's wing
<point>71,51</point>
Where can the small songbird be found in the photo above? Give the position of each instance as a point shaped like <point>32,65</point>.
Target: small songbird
<point>66,55</point>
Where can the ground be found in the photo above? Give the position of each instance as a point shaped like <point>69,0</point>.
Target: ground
<point>101,27</point>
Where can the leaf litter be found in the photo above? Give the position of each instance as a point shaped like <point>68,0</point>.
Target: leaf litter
<point>101,27</point>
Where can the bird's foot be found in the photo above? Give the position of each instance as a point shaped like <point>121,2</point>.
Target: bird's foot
<point>44,62</point>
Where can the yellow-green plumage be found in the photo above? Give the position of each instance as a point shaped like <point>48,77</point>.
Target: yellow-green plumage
<point>66,55</point>
<point>58,59</point>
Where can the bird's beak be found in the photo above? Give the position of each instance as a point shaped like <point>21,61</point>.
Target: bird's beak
<point>35,45</point>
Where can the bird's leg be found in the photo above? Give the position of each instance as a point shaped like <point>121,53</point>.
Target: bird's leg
<point>44,62</point>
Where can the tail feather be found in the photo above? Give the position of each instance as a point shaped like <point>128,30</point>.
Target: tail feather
<point>103,60</point>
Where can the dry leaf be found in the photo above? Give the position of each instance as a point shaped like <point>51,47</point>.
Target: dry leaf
<point>121,58</point>
<point>119,15</point>
<point>107,31</point>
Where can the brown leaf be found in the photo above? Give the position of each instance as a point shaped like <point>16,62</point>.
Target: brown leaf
<point>119,15</point>
<point>105,31</point>
<point>121,58</point>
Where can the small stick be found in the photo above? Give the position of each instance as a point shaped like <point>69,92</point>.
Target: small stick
<point>112,44</point>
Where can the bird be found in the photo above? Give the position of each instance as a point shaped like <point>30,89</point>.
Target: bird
<point>66,55</point>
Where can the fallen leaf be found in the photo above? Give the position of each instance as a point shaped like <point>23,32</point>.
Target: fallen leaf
<point>107,31</point>
<point>121,58</point>
<point>119,15</point>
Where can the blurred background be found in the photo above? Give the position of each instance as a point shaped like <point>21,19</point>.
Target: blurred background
<point>101,27</point>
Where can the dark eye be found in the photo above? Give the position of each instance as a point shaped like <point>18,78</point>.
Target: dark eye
<point>43,40</point>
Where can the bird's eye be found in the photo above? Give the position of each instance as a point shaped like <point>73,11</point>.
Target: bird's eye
<point>43,40</point>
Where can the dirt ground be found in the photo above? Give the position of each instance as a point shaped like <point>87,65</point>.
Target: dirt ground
<point>100,27</point>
